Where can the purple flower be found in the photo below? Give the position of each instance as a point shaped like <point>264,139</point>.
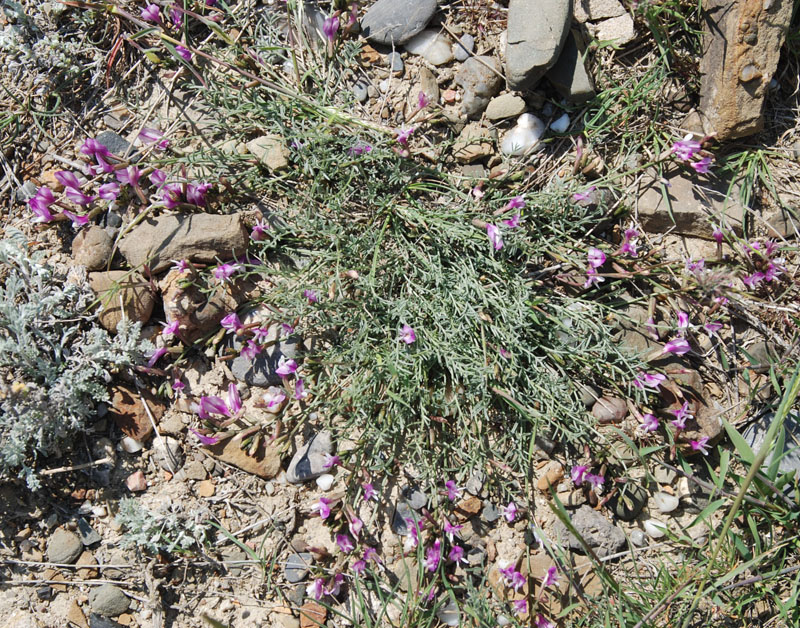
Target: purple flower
<point>453,491</point>
<point>311,296</point>
<point>209,405</point>
<point>584,197</point>
<point>774,269</point>
<point>274,397</point>
<point>335,586</point>
<point>510,511</point>
<point>151,13</point>
<point>596,257</point>
<point>78,197</point>
<point>331,461</point>
<point>149,135</point>
<point>595,480</point>
<point>316,589</point>
<point>259,231</point>
<point>196,193</point>
<point>686,148</point>
<point>592,277</point>
<point>629,242</point>
<point>550,578</point>
<point>517,581</point>
<point>702,166</point>
<point>359,566</point>
<point>345,543</point>
<point>206,440</point>
<point>681,415</point>
<point>359,148</point>
<point>234,401</point>
<point>520,606</point>
<point>450,530</point>
<point>433,556</point>
<point>717,234</point>
<point>355,526</point>
<point>679,346</point>
<point>300,392</point>
<point>231,322</point>
<point>369,492</point>
<point>178,385</point>
<point>250,350</point>
<point>171,329</point>
<point>68,179</point>
<point>330,27</point>
<point>752,281</point>
<point>370,553</point>
<point>700,445</point>
<point>518,202</point>
<point>129,176</point>
<point>176,16</point>
<point>649,380</point>
<point>513,222</point>
<point>542,622</point>
<point>158,177</point>
<point>456,554</point>
<point>407,334</point>
<point>109,191</point>
<point>403,135</point>
<point>40,205</point>
<point>578,474</point>
<point>324,507</point>
<point>683,320</point>
<point>712,327</point>
<point>181,265</point>
<point>93,148</point>
<point>494,236</point>
<point>649,423</point>
<point>171,195</point>
<point>77,221</point>
<point>225,271</point>
<point>422,100</point>
<point>286,366</point>
<point>154,357</point>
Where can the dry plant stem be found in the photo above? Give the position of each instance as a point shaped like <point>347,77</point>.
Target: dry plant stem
<point>788,399</point>
<point>168,457</point>
<point>78,467</point>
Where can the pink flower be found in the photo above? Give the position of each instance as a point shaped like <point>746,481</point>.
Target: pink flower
<point>520,606</point>
<point>68,179</point>
<point>494,236</point>
<point>407,334</point>
<point>171,195</point>
<point>596,257</point>
<point>355,526</point>
<point>592,277</point>
<point>330,27</point>
<point>649,380</point>
<point>196,193</point>
<point>40,204</point>
<point>286,366</point>
<point>259,231</point>
<point>752,281</point>
<point>171,329</point>
<point>359,148</point>
<point>542,622</point>
<point>359,566</point>
<point>151,13</point>
<point>422,100</point>
<point>250,350</point>
<point>649,423</point>
<point>550,578</point>
<point>371,554</point>
<point>629,242</point>
<point>518,202</point>
<point>274,397</point>
<point>78,197</point>
<point>176,16</point>
<point>181,266</point>
<point>702,166</point>
<point>510,511</point>
<point>323,506</point>
<point>512,222</point>
<point>154,357</point>
<point>712,327</point>
<point>456,554</point>
<point>316,589</point>
<point>679,346</point>
<point>650,326</point>
<point>686,148</point>
<point>225,271</point>
<point>92,148</point>
<point>700,445</point>
<point>578,474</point>
<point>345,543</point>
<point>153,136</point>
<point>517,581</point>
<point>403,135</point>
<point>158,177</point>
<point>369,492</point>
<point>433,556</point>
<point>335,585</point>
<point>206,440</point>
<point>331,461</point>
<point>231,322</point>
<point>450,530</point>
<point>129,176</point>
<point>583,197</point>
<point>681,415</point>
<point>683,320</point>
<point>300,392</point>
<point>234,400</point>
<point>717,234</point>
<point>109,191</point>
<point>311,295</point>
<point>209,405</point>
<point>453,491</point>
<point>178,385</point>
<point>595,480</point>
<point>77,221</point>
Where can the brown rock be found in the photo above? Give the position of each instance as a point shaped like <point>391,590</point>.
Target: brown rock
<point>473,143</point>
<point>130,415</point>
<point>203,238</point>
<point>48,178</point>
<point>75,615</point>
<point>551,476</point>
<point>468,507</point>
<point>609,410</point>
<point>742,47</point>
<point>92,247</point>
<point>136,482</point>
<point>266,463</point>
<point>87,558</point>
<point>312,615</point>
<point>205,488</point>
<point>689,203</point>
<point>54,574</point>
<point>122,293</point>
<point>198,313</point>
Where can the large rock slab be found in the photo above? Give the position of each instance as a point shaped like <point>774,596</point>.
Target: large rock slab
<point>742,47</point>
<point>789,457</point>
<point>569,75</point>
<point>537,30</point>
<point>265,462</point>
<point>122,294</point>
<point>689,203</point>
<point>599,533</point>
<point>203,238</point>
<point>394,22</point>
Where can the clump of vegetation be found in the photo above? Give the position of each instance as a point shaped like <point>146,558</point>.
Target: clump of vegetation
<point>55,361</point>
<point>169,530</point>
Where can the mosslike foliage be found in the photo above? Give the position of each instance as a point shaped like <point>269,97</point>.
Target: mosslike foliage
<point>155,532</point>
<point>55,362</point>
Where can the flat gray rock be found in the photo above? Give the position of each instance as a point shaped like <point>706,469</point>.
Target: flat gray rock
<point>790,460</point>
<point>203,238</point>
<point>117,144</point>
<point>599,533</point>
<point>568,75</point>
<point>390,22</point>
<point>108,600</point>
<point>64,547</point>
<point>479,84</point>
<point>260,371</point>
<point>296,566</point>
<point>88,534</point>
<point>537,30</point>
<point>309,461</point>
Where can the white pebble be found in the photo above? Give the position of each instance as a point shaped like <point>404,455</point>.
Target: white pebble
<point>384,86</point>
<point>99,511</point>
<point>665,502</point>
<point>325,481</point>
<point>502,620</point>
<point>434,46</point>
<point>638,538</point>
<point>131,445</point>
<point>560,125</point>
<point>655,529</point>
<point>523,137</point>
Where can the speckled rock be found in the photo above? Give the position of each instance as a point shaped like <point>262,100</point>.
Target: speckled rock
<point>390,22</point>
<point>478,83</point>
<point>92,247</point>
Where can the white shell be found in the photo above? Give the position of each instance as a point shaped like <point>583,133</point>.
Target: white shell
<point>325,481</point>
<point>435,47</point>
<point>654,528</point>
<point>665,502</point>
<point>131,445</point>
<point>560,125</point>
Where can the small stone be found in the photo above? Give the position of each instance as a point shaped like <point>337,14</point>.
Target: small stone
<point>206,488</point>
<point>87,560</point>
<point>122,294</point>
<point>609,410</point>
<point>195,471</point>
<point>394,22</point>
<point>312,615</point>
<point>98,621</point>
<point>572,498</point>
<point>168,453</point>
<point>665,502</point>
<point>490,513</point>
<point>75,615</point>
<point>109,600</point>
<point>560,124</point>
<point>325,481</point>
<point>475,482</point>
<point>472,144</point>
<point>618,29</point>
<point>449,614</point>
<point>415,498</point>
<point>402,513</point>
<point>127,410</point>
<point>406,571</point>
<point>524,137</point>
<point>265,461</point>
<point>638,538</point>
<point>395,61</point>
<point>435,47</point>
<point>586,10</point>
<point>476,556</point>
<point>64,547</point>
<point>296,567</point>
<point>309,461</point>
<point>360,91</point>
<point>756,432</point>
<point>136,482</point>
<point>428,85</point>
<point>654,528</point>
<point>551,476</point>
<point>629,501</point>
<point>463,48</point>
<point>589,394</point>
<point>505,106</point>
<point>595,529</point>
<point>782,222</point>
<point>271,151</point>
<point>117,145</point>
<point>131,445</point>
<point>480,79</point>
<point>663,475</point>
<point>295,596</point>
<point>88,534</point>
<point>761,355</point>
<point>468,507</point>
<point>92,247</point>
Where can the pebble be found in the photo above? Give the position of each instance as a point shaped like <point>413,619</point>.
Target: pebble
<point>505,106</point>
<point>130,445</point>
<point>384,86</point>
<point>475,482</point>
<point>523,137</point>
<point>117,144</point>
<point>64,547</point>
<point>394,22</point>
<point>415,498</point>
<point>464,47</point>
<point>449,614</point>
<point>395,61</point>
<point>609,410</point>
<point>476,556</point>
<point>490,513</point>
<point>665,502</point>
<point>560,124</point>
<point>325,481</point>
<point>431,45</point>
<point>360,91</point>
<point>604,537</point>
<point>630,501</point>
<point>88,534</point>
<point>309,461</point>
<point>296,567</point>
<point>402,511</point>
<point>271,151</point>
<point>136,482</point>
<point>168,453</point>
<point>92,247</point>
<point>638,538</point>
<point>109,600</point>
<point>478,83</point>
<point>663,475</point>
<point>654,528</point>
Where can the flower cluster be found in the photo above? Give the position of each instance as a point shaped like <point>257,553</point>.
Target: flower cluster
<point>687,149</point>
<point>580,476</point>
<point>764,263</point>
<point>493,231</point>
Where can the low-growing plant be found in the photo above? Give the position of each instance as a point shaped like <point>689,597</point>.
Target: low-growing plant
<point>167,530</point>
